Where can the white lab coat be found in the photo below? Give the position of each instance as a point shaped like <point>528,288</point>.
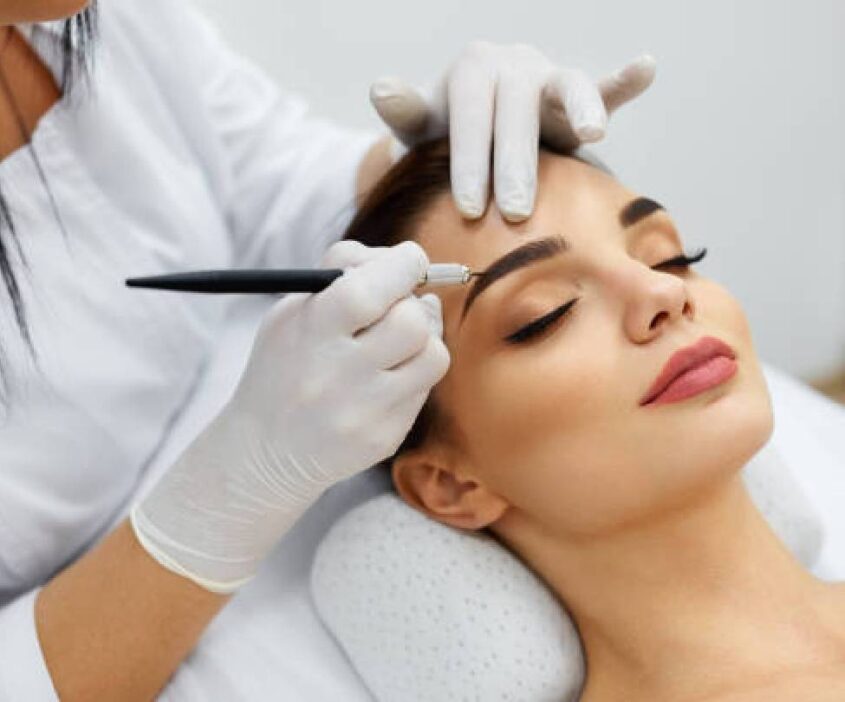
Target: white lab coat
<point>183,156</point>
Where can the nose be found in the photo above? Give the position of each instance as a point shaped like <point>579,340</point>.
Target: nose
<point>655,301</point>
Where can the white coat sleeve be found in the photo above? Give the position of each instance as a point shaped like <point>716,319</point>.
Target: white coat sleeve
<point>23,671</point>
<point>289,177</point>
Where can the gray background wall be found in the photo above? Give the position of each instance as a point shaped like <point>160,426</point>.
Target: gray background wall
<point>742,135</point>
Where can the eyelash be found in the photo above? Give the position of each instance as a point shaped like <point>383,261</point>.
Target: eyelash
<point>540,324</point>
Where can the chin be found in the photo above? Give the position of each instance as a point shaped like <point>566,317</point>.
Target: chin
<point>68,8</point>
<point>53,10</point>
<point>740,417</point>
<point>723,428</point>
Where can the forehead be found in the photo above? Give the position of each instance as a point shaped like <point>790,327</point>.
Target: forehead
<point>573,199</point>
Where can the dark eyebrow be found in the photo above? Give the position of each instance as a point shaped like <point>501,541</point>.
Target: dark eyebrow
<point>638,209</point>
<point>542,249</point>
<point>521,256</point>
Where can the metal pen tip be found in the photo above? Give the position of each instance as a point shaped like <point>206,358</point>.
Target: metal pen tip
<point>439,274</point>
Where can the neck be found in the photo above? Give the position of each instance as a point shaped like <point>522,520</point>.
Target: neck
<point>6,35</point>
<point>27,91</point>
<point>709,587</point>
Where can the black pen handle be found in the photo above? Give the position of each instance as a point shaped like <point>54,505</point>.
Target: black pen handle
<point>242,281</point>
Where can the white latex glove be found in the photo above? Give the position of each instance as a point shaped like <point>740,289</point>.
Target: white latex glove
<point>333,384</point>
<point>511,95</point>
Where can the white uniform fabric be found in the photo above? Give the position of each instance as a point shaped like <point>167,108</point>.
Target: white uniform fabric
<point>183,157</point>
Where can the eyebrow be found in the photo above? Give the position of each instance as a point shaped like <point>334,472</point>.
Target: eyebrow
<point>639,208</point>
<point>546,248</point>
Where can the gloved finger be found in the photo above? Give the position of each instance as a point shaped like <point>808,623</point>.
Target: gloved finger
<point>419,373</point>
<point>402,414</point>
<point>385,425</point>
<point>517,128</point>
<point>471,95</point>
<point>348,253</point>
<point>572,110</point>
<point>407,408</point>
<point>434,310</point>
<point>401,334</point>
<point>364,294</point>
<point>402,108</point>
<point>628,82</point>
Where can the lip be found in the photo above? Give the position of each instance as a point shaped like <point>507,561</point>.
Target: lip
<point>696,356</point>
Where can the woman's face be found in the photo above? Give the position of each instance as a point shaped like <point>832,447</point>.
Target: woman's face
<point>553,425</point>
<point>24,11</point>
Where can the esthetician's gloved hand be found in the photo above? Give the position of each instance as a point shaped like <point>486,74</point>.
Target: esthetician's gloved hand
<point>333,384</point>
<point>512,94</point>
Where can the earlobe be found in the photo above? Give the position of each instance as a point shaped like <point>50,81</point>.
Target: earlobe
<point>427,482</point>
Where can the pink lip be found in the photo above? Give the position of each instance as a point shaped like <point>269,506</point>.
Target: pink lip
<point>691,370</point>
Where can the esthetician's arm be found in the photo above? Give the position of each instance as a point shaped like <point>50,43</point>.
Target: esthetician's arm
<point>115,625</point>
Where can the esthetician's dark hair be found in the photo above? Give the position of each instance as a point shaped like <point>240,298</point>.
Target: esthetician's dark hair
<point>72,46</point>
<point>390,214</point>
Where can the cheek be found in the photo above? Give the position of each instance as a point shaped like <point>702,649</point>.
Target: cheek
<point>537,424</point>
<point>556,430</point>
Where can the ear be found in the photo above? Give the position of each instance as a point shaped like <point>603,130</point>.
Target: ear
<point>429,480</point>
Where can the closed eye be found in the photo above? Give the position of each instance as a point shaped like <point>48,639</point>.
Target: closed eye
<point>535,327</point>
<point>541,323</point>
<point>683,260</point>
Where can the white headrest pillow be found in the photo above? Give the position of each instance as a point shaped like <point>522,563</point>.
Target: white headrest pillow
<point>428,612</point>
